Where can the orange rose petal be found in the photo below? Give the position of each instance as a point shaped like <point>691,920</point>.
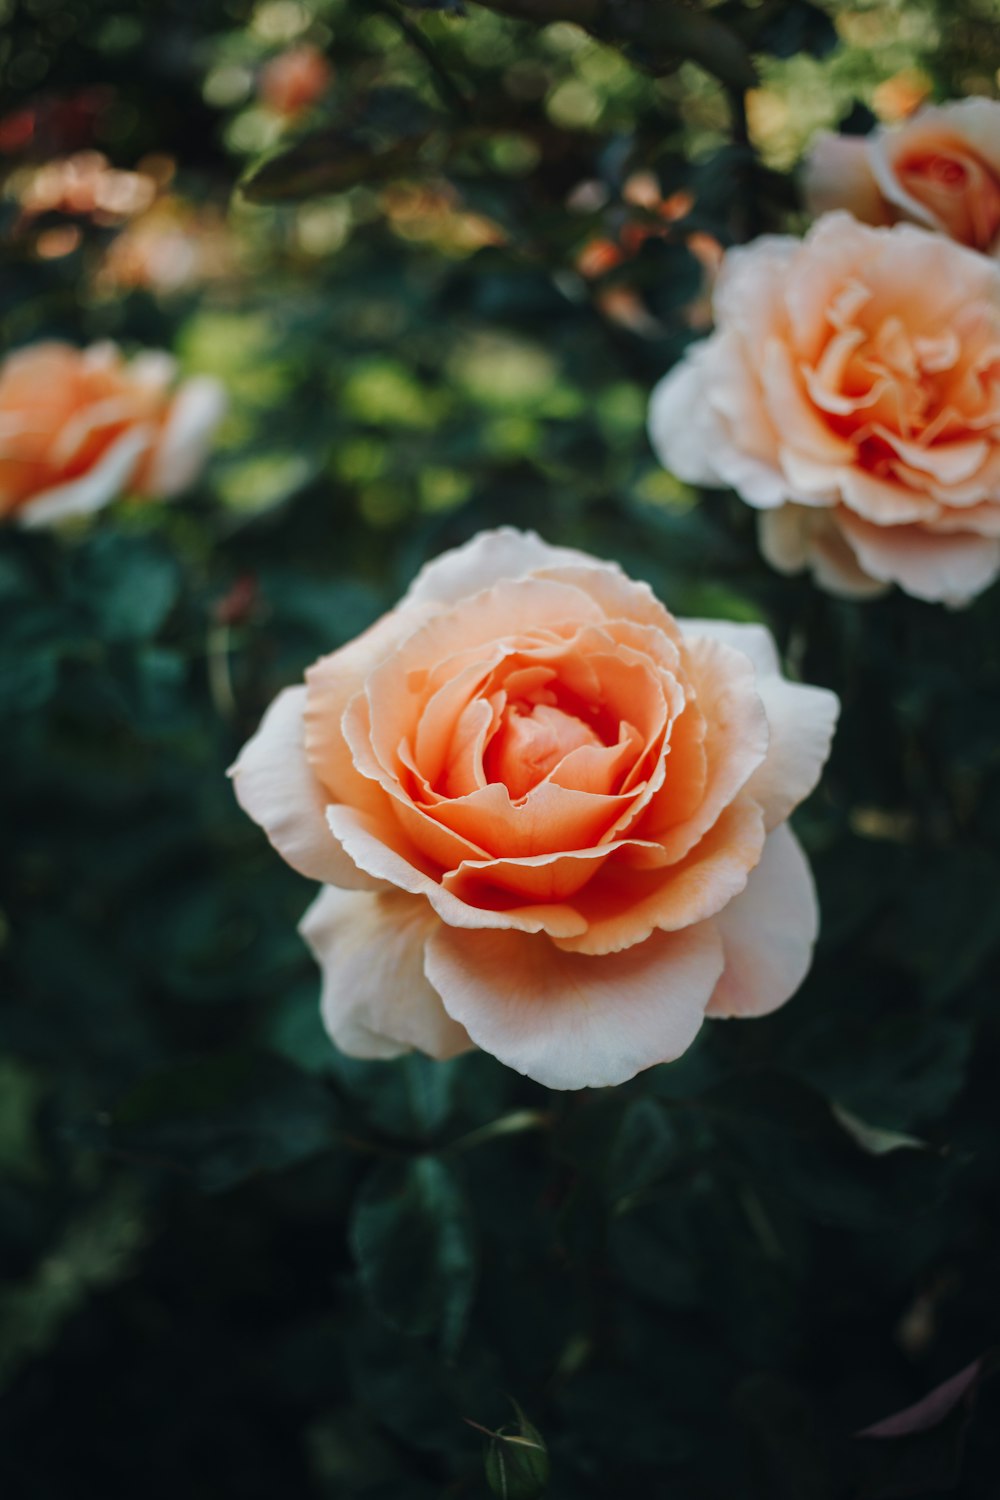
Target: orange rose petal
<point>628,899</point>
<point>385,854</point>
<point>736,740</point>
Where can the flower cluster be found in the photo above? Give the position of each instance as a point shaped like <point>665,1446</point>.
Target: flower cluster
<point>851,389</point>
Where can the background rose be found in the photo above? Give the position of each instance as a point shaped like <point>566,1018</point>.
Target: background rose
<point>941,169</point>
<point>552,822</point>
<point>851,393</point>
<point>79,427</point>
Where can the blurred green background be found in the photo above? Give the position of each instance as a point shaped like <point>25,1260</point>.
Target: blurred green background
<point>439,259</point>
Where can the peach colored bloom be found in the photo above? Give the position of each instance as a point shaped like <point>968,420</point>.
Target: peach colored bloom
<point>79,427</point>
<point>941,169</point>
<point>550,818</point>
<point>295,80</point>
<point>851,393</point>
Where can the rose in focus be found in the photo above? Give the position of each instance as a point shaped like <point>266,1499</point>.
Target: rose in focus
<point>940,169</point>
<point>551,819</point>
<point>851,393</point>
<point>80,427</point>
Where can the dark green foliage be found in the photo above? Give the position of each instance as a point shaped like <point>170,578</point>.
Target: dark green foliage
<point>238,1265</point>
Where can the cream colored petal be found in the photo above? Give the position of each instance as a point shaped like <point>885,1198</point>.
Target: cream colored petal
<point>948,568</point>
<point>794,538</point>
<point>275,786</point>
<point>768,932</point>
<point>573,1022</point>
<point>801,720</point>
<point>183,445</point>
<point>108,479</point>
<point>683,428</point>
<point>489,558</point>
<point>376,999</point>
<point>838,174</point>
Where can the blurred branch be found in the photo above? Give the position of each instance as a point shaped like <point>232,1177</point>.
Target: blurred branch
<point>657,32</point>
<point>448,90</point>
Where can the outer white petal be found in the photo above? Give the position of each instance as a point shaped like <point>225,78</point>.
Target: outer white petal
<point>793,538</point>
<point>941,567</point>
<point>801,720</point>
<point>376,1000</point>
<point>109,477</point>
<point>755,641</point>
<point>196,411</point>
<point>838,174</point>
<point>487,559</point>
<point>683,428</point>
<point>768,932</point>
<point>274,783</point>
<point>571,1021</point>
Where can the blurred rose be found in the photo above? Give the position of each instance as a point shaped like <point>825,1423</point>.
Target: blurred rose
<point>295,80</point>
<point>174,246</point>
<point>80,427</point>
<point>86,186</point>
<point>941,169</point>
<point>851,392</point>
<point>551,819</point>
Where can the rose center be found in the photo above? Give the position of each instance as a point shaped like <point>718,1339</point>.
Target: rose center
<point>941,169</point>
<point>530,741</point>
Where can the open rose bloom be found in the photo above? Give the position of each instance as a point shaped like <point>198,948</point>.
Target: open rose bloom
<point>941,169</point>
<point>80,427</point>
<point>551,819</point>
<point>851,393</point>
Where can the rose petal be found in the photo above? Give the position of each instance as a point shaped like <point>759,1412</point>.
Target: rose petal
<point>736,741</point>
<point>768,932</point>
<point>801,720</point>
<point>490,557</point>
<point>179,454</point>
<point>108,479</point>
<point>940,567</point>
<point>368,844</point>
<point>376,999</point>
<point>275,785</point>
<point>793,537</point>
<point>634,894</point>
<point>571,1022</point>
<point>838,174</point>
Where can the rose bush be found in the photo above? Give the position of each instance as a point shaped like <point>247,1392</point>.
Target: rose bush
<point>851,393</point>
<point>79,427</point>
<point>551,819</point>
<point>941,169</point>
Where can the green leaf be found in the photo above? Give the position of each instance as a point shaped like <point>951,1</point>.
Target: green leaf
<point>645,1146</point>
<point>221,1120</point>
<point>328,161</point>
<point>127,585</point>
<point>517,1463</point>
<point>412,1238</point>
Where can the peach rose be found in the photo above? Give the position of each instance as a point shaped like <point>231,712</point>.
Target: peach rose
<point>80,427</point>
<point>295,80</point>
<point>941,169</point>
<point>550,819</point>
<point>851,392</point>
